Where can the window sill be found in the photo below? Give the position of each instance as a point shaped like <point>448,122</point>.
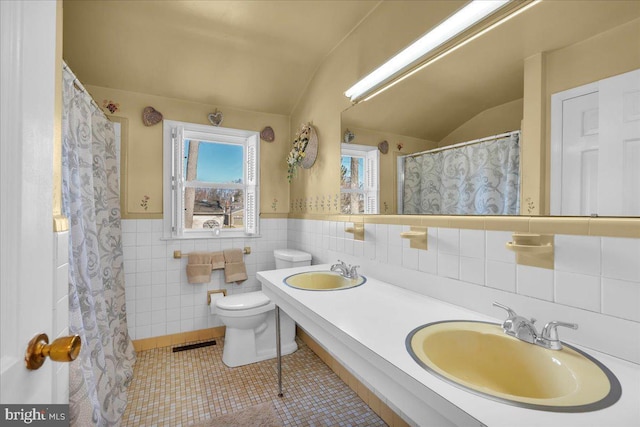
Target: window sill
<point>212,236</point>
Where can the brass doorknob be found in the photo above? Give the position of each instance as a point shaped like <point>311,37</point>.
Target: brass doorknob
<point>63,349</point>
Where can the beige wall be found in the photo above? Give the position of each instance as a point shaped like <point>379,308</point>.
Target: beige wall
<point>496,120</point>
<point>606,55</point>
<point>375,40</point>
<point>142,175</point>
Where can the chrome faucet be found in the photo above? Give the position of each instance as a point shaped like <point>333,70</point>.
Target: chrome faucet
<point>549,336</point>
<point>350,272</point>
<point>524,329</point>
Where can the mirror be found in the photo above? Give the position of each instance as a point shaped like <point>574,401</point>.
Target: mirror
<point>498,83</point>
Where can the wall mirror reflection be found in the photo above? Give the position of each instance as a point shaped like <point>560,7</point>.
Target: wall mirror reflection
<point>498,91</point>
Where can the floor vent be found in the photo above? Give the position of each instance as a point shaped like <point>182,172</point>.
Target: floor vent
<point>192,346</point>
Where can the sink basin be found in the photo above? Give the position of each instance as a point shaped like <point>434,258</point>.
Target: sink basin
<point>322,281</point>
<point>482,359</point>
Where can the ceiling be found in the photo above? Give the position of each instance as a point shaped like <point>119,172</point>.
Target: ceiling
<point>487,72</point>
<point>253,55</point>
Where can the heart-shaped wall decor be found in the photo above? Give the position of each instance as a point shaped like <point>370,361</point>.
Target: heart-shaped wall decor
<point>150,116</point>
<point>267,134</point>
<point>215,118</point>
<point>383,147</point>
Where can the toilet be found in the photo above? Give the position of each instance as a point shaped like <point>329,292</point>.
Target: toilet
<point>251,322</point>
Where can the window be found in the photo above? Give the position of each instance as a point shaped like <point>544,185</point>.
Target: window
<point>359,186</point>
<point>211,180</point>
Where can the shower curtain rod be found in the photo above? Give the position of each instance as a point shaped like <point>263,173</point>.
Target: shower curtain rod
<point>464,144</point>
<point>78,84</point>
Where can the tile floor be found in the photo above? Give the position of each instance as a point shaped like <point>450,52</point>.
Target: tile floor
<point>178,389</point>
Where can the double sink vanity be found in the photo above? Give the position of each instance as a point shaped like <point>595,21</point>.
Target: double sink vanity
<point>435,363</point>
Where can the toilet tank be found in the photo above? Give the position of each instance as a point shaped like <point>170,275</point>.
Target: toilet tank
<point>288,258</point>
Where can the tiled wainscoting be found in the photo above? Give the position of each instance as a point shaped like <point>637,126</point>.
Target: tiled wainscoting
<point>595,283</point>
<point>160,301</point>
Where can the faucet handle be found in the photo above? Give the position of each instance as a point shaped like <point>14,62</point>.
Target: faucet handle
<point>353,271</point>
<point>550,331</point>
<point>508,310</point>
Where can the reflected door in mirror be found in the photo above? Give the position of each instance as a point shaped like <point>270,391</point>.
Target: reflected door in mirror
<point>596,128</point>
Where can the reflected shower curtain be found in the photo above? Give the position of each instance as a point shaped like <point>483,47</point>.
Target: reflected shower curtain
<point>90,197</point>
<point>477,179</point>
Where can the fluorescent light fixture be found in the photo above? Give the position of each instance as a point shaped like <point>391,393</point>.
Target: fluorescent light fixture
<point>466,17</point>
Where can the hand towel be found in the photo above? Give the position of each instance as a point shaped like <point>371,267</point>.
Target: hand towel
<point>217,260</point>
<point>199,258</point>
<point>198,273</point>
<point>199,267</point>
<point>234,268</point>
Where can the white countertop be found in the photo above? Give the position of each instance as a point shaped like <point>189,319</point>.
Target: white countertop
<point>379,316</point>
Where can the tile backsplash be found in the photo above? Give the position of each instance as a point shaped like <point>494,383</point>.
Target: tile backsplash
<point>596,280</point>
<point>160,301</point>
<point>595,283</point>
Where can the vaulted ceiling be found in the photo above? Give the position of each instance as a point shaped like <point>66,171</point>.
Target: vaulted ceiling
<point>253,55</point>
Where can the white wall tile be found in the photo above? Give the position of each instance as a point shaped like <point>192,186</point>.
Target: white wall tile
<point>535,282</point>
<point>577,290</point>
<point>370,250</point>
<point>173,327</point>
<point>472,270</point>
<point>578,254</point>
<point>157,225</point>
<point>449,241</point>
<point>621,258</point>
<point>382,253</point>
<point>154,278</point>
<point>394,255</point>
<point>143,319</point>
<point>621,298</point>
<point>143,306</point>
<point>143,239</point>
<point>472,243</point>
<point>142,332</point>
<point>358,248</point>
<point>393,235</point>
<point>496,249</point>
<point>128,225</point>
<point>448,265</point>
<point>144,226</point>
<point>501,275</point>
<point>382,234</point>
<point>158,329</point>
<point>129,240</point>
<point>428,260</point>
<point>143,265</point>
<point>410,258</point>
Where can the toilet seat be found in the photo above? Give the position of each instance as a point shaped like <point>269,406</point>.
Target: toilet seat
<point>244,305</point>
<point>244,301</point>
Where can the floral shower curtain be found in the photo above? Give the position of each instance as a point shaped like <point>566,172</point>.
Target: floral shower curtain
<point>100,376</point>
<point>477,179</point>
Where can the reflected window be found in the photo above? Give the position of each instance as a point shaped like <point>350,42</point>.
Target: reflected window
<point>359,185</point>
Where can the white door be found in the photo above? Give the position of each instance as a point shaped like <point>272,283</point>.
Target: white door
<point>595,148</point>
<point>619,187</point>
<point>27,64</point>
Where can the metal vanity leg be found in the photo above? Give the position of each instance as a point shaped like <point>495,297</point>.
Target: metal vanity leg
<point>278,352</point>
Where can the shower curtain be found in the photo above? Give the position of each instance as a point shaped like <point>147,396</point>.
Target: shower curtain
<point>100,376</point>
<point>477,179</point>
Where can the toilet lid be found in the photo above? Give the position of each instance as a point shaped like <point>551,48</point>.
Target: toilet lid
<point>243,301</point>
<point>292,255</point>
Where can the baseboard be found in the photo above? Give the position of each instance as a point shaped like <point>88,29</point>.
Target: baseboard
<point>380,408</point>
<point>178,339</point>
